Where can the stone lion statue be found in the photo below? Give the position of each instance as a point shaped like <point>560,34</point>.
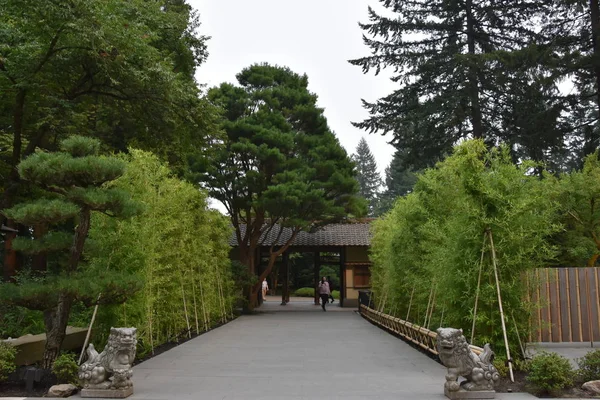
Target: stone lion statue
<point>110,369</point>
<point>457,356</point>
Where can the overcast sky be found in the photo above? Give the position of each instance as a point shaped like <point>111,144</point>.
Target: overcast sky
<point>315,37</point>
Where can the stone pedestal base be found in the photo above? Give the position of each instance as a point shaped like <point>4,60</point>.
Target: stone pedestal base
<point>107,393</point>
<point>463,394</point>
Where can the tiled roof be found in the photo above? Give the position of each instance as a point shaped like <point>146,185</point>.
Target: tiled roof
<point>342,234</point>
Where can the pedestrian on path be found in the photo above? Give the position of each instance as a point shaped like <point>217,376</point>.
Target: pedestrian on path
<point>330,289</point>
<point>324,292</point>
<point>265,287</point>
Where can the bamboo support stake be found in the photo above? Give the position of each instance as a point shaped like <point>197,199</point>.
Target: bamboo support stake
<point>428,304</point>
<point>518,336</point>
<point>478,288</point>
<point>410,302</point>
<point>89,331</point>
<point>187,318</point>
<point>195,306</point>
<point>530,326</point>
<point>509,360</point>
<point>432,307</point>
<point>204,315</point>
<point>579,305</point>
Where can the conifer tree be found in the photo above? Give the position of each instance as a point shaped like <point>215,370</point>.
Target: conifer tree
<point>71,182</point>
<point>459,70</point>
<point>399,181</point>
<point>369,180</point>
<point>278,165</point>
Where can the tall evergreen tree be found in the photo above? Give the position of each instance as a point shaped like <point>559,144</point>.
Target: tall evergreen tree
<point>369,180</point>
<point>72,187</point>
<point>399,181</point>
<point>572,31</point>
<point>459,69</point>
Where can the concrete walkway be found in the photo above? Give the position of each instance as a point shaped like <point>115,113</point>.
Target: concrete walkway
<point>293,355</point>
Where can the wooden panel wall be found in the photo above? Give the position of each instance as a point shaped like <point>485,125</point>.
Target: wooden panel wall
<point>569,304</point>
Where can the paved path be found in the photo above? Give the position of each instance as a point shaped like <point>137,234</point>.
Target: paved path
<point>307,354</point>
<point>293,356</point>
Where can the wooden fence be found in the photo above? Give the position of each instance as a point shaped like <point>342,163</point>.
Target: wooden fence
<point>568,302</point>
<point>408,331</point>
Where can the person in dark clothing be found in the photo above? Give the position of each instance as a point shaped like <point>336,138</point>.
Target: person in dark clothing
<point>330,289</point>
<point>324,292</point>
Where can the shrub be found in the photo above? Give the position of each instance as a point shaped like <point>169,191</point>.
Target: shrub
<point>550,373</point>
<point>501,366</point>
<point>7,360</point>
<point>305,292</point>
<point>589,366</point>
<point>310,292</point>
<point>65,368</point>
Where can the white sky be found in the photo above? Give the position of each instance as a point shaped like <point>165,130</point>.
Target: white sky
<point>315,37</point>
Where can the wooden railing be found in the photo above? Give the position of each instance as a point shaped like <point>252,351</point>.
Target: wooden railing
<point>408,331</point>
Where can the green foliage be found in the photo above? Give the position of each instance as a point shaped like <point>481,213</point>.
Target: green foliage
<point>549,373</point>
<point>7,360</point>
<point>122,72</point>
<point>579,194</point>
<point>433,238</point>
<point>18,321</point>
<point>589,366</point>
<point>177,247</point>
<point>66,369</point>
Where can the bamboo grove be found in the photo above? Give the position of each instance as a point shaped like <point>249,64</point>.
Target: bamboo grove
<point>177,247</point>
<point>433,260</point>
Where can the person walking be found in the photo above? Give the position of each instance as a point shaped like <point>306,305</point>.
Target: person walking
<point>324,292</point>
<point>330,289</point>
<point>265,287</point>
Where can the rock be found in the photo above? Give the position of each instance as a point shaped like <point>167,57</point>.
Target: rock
<point>592,386</point>
<point>64,390</point>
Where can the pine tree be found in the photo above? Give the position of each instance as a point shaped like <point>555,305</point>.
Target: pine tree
<point>278,165</point>
<point>72,183</point>
<point>368,177</point>
<point>460,66</point>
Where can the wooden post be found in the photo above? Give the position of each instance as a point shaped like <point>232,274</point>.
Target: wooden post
<point>509,360</point>
<point>589,306</point>
<point>285,276</point>
<point>317,262</point>
<point>342,275</point>
<point>478,287</point>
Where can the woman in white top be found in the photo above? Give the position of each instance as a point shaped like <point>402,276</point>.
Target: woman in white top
<point>265,287</point>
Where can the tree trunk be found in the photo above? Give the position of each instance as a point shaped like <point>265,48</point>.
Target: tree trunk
<point>79,239</point>
<point>591,140</point>
<point>476,119</point>
<point>56,320</point>
<point>12,184</point>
